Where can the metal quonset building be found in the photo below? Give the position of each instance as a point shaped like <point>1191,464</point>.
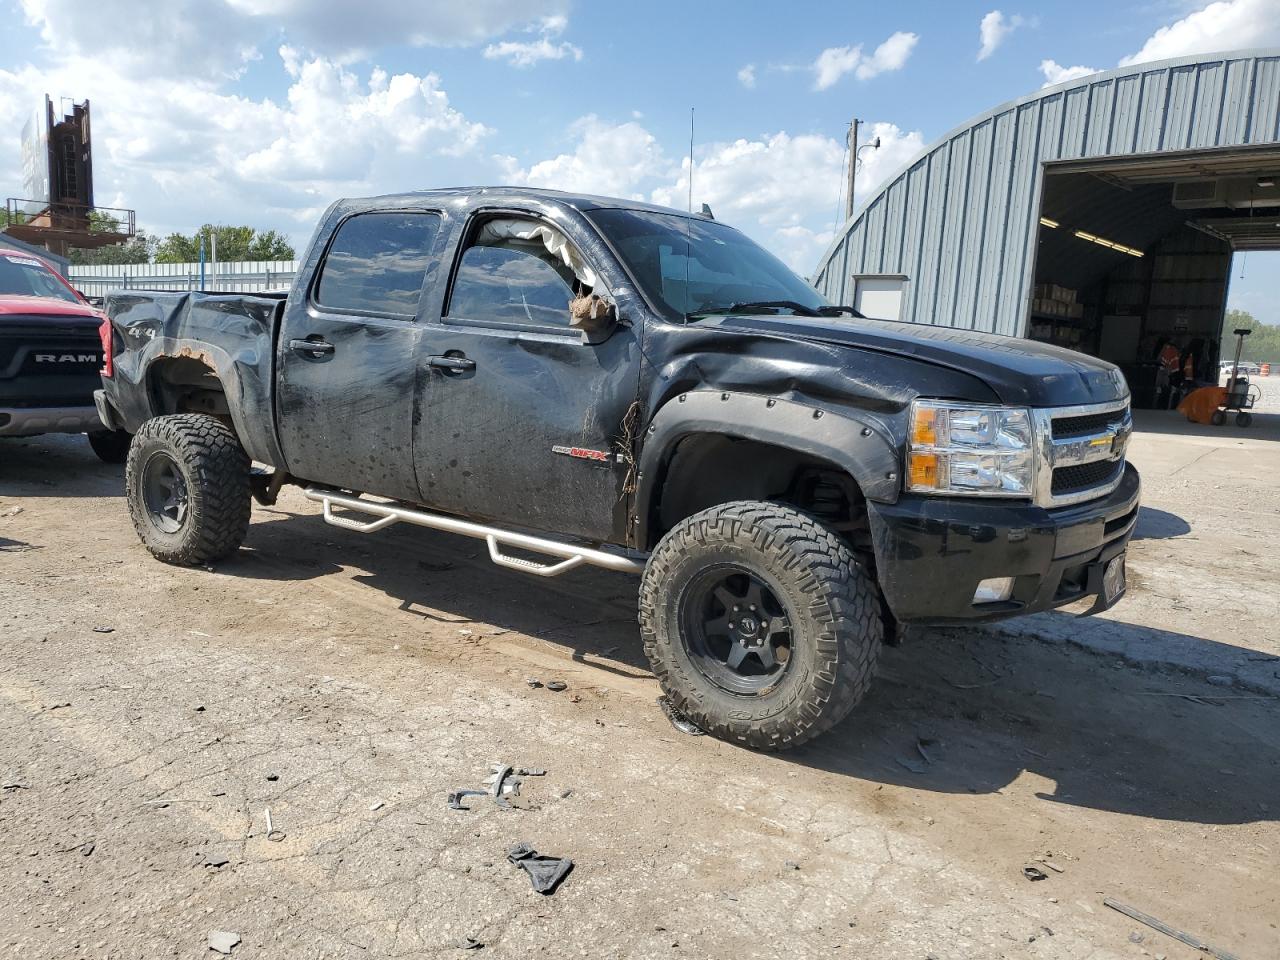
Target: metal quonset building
<point>1100,214</point>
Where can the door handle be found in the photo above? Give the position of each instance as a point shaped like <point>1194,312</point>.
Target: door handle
<point>313,348</point>
<point>452,363</point>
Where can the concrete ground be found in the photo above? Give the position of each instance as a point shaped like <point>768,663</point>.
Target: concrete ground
<point>151,716</point>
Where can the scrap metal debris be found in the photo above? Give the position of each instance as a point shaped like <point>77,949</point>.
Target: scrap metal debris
<point>457,796</point>
<point>274,835</point>
<point>470,943</point>
<point>104,629</point>
<point>503,781</point>
<point>545,873</point>
<point>1034,873</point>
<point>223,941</point>
<point>1168,931</point>
<point>557,685</point>
<point>679,720</point>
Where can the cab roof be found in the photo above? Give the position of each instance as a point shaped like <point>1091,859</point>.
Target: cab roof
<point>466,197</point>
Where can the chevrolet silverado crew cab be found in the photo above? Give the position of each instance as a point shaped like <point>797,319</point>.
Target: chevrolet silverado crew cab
<point>49,357</point>
<point>577,380</point>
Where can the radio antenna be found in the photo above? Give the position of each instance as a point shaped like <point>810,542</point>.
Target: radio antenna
<point>691,159</point>
<point>688,224</point>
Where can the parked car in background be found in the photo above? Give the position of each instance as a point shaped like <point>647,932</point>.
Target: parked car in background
<point>605,382</point>
<point>50,357</point>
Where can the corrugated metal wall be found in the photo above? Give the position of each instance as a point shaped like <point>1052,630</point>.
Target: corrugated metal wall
<point>961,221</point>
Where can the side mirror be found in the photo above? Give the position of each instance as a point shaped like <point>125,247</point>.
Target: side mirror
<point>594,315</point>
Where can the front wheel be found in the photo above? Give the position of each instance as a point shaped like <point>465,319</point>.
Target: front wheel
<point>1244,419</point>
<point>759,623</point>
<point>187,484</point>
<point>111,446</point>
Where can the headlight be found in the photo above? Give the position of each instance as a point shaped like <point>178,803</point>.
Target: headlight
<point>968,449</point>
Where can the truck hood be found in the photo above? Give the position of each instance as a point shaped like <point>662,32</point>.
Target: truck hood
<point>1020,372</point>
<point>12,304</point>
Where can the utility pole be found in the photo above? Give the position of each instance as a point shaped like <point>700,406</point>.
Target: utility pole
<point>853,168</point>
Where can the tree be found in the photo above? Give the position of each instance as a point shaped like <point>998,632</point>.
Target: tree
<point>1261,346</point>
<point>139,248</point>
<point>234,243</point>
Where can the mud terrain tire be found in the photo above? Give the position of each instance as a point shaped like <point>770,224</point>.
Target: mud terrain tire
<point>187,485</point>
<point>832,610</point>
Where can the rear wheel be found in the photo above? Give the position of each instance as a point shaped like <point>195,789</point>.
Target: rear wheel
<point>111,446</point>
<point>1219,418</point>
<point>187,484</point>
<point>1244,419</point>
<point>759,623</point>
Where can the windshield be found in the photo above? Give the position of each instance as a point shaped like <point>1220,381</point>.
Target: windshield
<point>688,265</point>
<point>28,277</point>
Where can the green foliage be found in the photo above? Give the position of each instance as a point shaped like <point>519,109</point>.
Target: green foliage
<point>140,248</point>
<point>234,243</point>
<point>1261,346</point>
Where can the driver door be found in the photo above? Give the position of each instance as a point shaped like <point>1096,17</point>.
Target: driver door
<point>522,421</point>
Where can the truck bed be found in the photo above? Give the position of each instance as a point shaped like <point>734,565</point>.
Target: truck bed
<point>233,334</point>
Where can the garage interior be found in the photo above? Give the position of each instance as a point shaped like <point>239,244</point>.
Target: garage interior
<point>1136,252</point>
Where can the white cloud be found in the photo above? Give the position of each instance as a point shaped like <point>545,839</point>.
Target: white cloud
<point>994,30</point>
<point>528,53</point>
<point>890,55</point>
<point>747,76</point>
<point>213,39</point>
<point>1225,25</point>
<point>182,153</point>
<point>782,189</point>
<point>896,149</point>
<point>1055,73</point>
<point>609,159</point>
<point>834,62</point>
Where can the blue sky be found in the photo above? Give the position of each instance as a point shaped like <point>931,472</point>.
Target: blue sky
<point>262,111</point>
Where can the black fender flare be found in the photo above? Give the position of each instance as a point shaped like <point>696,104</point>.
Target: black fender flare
<point>225,368</point>
<point>859,442</point>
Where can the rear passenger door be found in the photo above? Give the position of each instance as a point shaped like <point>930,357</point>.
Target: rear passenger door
<point>346,355</point>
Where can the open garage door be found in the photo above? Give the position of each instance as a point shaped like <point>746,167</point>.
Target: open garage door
<point>1133,259</point>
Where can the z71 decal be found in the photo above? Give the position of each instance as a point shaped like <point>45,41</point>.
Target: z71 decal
<point>583,453</point>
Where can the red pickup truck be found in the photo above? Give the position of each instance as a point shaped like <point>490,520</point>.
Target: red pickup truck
<point>50,357</point>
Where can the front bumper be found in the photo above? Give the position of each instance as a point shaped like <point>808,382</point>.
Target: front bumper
<point>931,552</point>
<point>30,421</point>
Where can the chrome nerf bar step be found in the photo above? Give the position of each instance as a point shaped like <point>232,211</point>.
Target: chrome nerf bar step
<point>570,555</point>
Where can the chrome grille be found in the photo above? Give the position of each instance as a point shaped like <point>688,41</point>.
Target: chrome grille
<point>1081,426</point>
<point>1081,451</point>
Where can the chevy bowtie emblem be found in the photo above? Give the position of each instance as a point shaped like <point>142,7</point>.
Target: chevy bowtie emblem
<point>583,453</point>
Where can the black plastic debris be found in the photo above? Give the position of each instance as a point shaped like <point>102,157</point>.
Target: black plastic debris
<point>545,873</point>
<point>679,720</point>
<point>557,685</point>
<point>1034,873</point>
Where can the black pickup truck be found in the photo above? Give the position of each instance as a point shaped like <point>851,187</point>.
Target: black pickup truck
<point>581,380</point>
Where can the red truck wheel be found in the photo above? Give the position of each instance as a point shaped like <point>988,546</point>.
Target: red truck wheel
<point>759,623</point>
<point>187,484</point>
